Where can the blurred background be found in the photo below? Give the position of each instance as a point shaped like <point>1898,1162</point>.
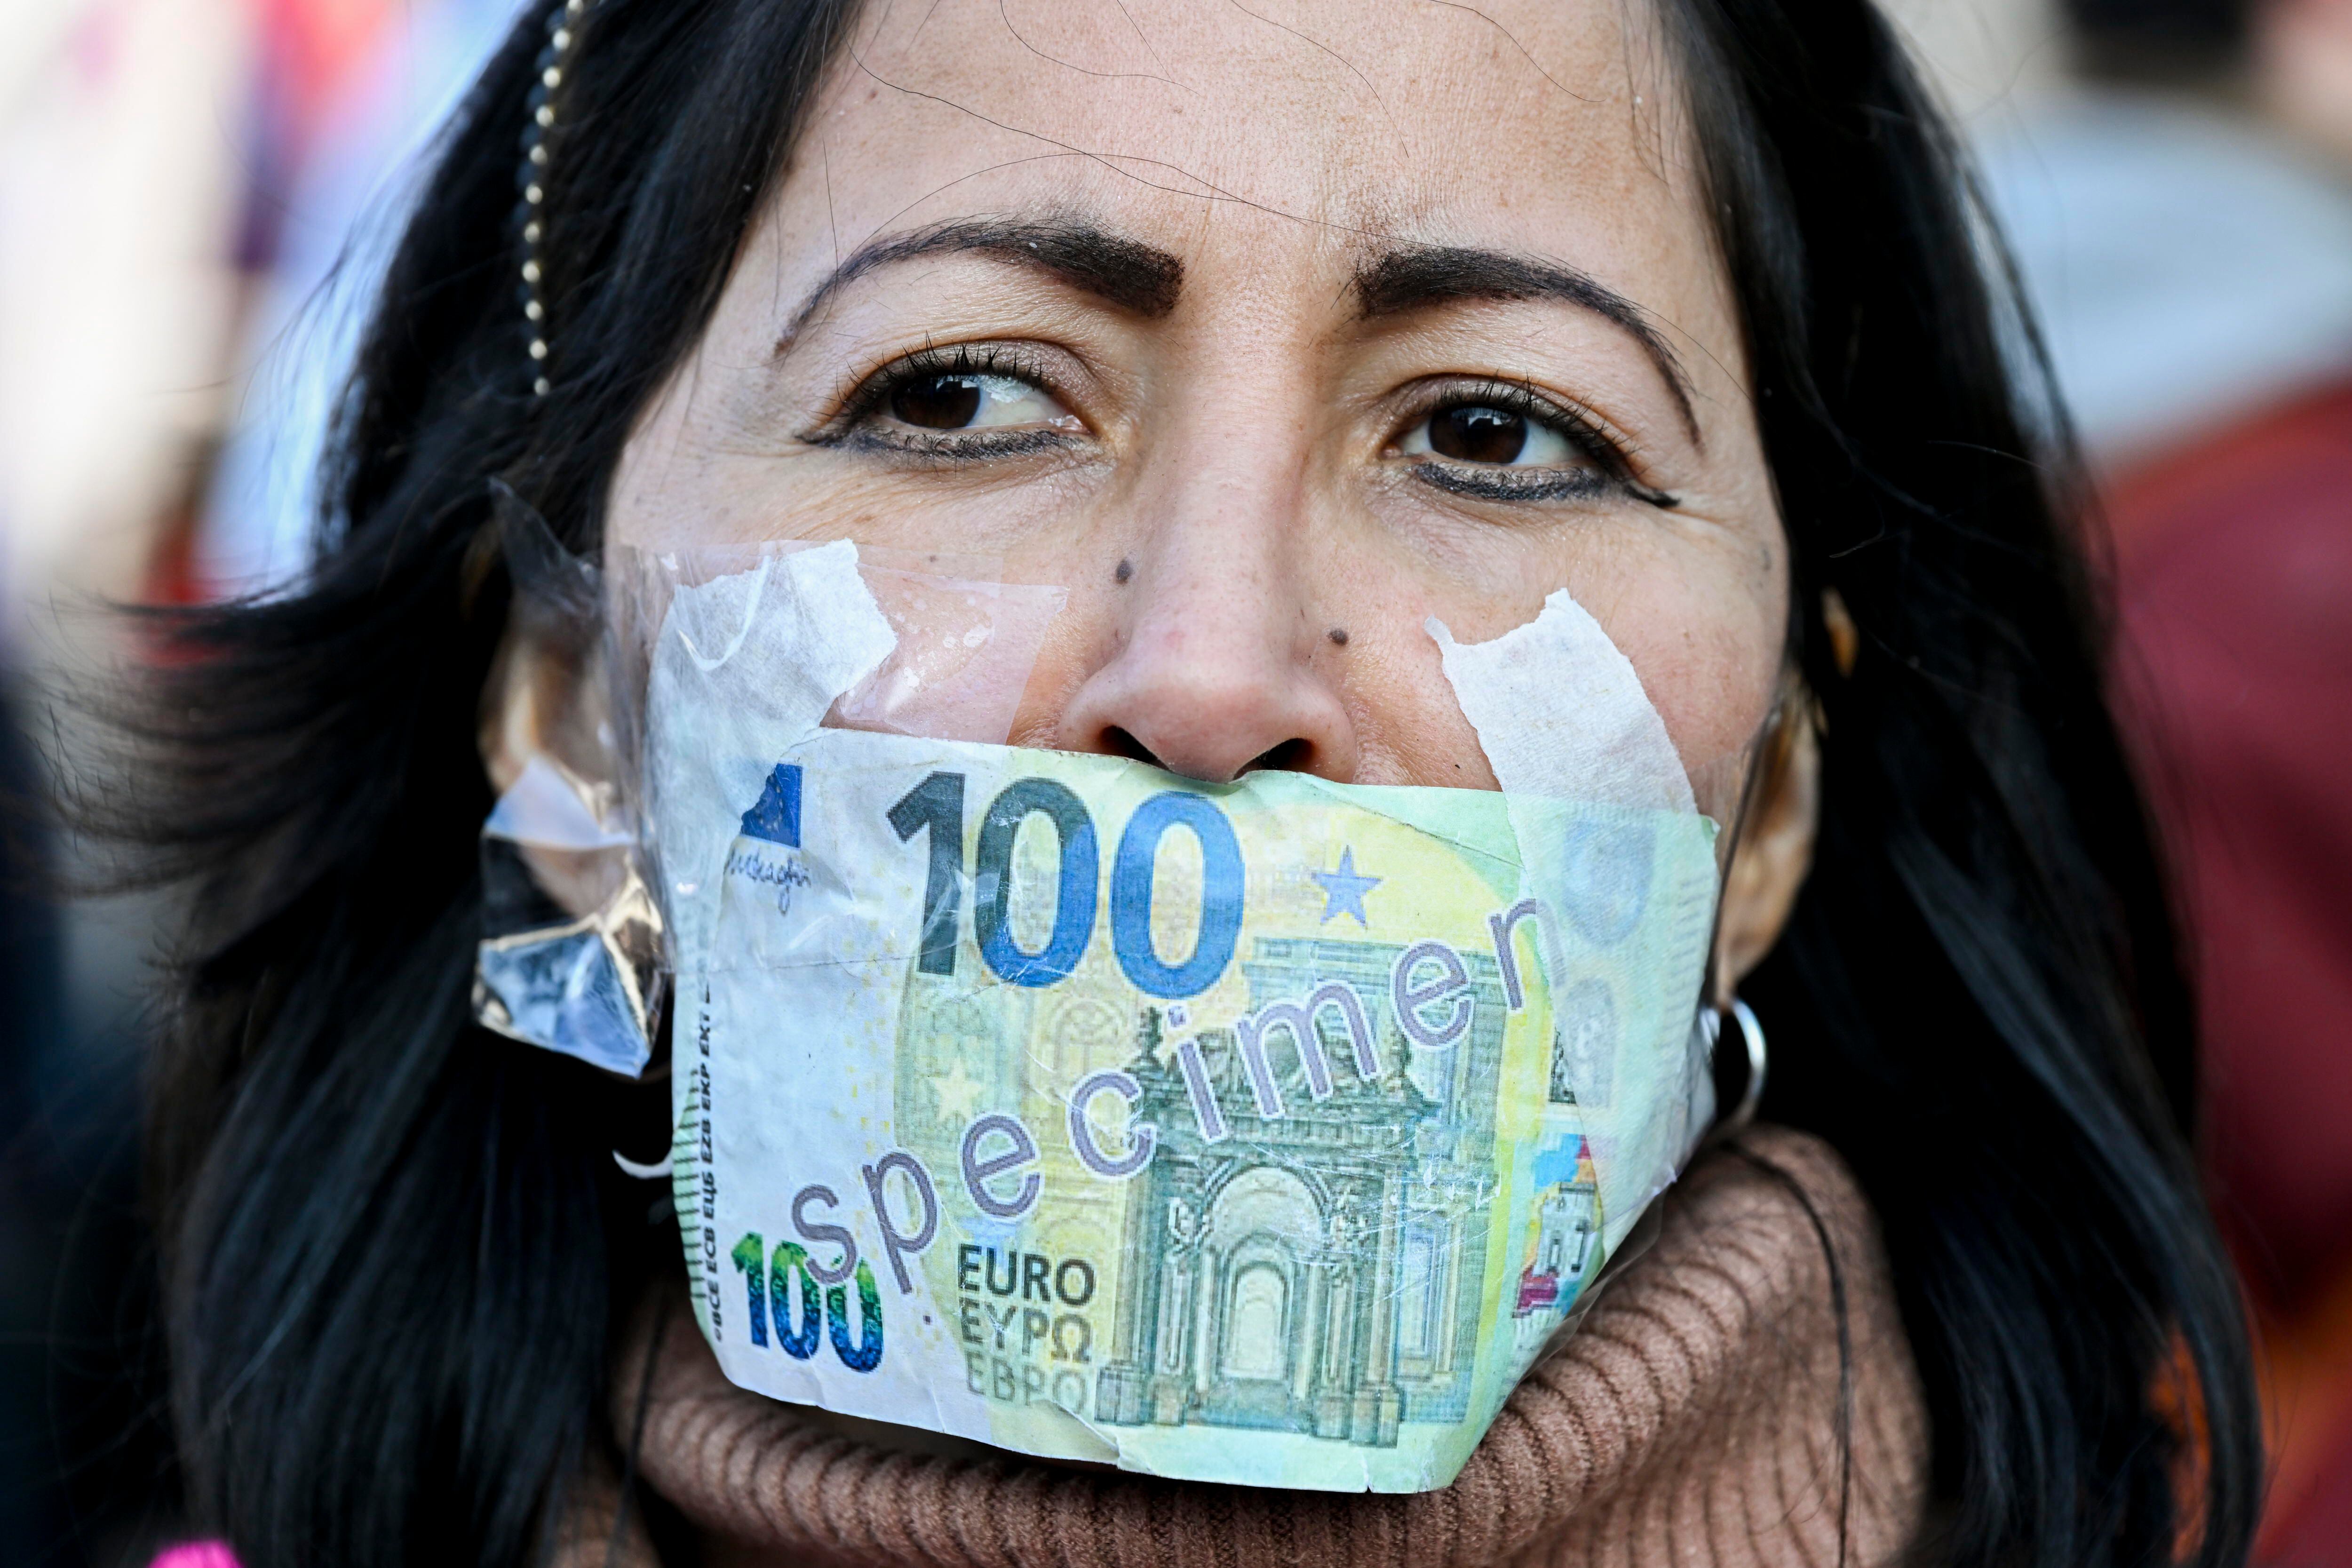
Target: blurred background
<point>196,196</point>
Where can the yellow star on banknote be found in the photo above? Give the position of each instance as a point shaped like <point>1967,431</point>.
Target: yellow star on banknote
<point>958,1094</point>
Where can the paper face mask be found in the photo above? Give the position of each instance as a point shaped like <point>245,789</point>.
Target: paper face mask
<point>1261,1133</point>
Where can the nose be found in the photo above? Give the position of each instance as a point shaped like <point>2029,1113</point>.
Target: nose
<point>1220,661</point>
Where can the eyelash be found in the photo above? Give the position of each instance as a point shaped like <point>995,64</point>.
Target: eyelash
<point>849,428</point>
<point>1615,469</point>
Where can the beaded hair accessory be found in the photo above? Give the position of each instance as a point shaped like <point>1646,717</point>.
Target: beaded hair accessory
<point>546,103</point>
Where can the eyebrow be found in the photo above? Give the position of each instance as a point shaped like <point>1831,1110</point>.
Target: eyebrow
<point>1132,275</point>
<point>1415,278</point>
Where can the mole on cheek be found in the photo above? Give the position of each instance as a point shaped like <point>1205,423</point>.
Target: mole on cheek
<point>1338,636</point>
<point>1125,570</point>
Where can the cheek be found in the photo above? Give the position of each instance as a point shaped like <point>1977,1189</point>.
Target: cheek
<point>1708,648</point>
<point>1700,617</point>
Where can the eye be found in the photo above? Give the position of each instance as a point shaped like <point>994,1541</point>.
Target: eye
<point>973,400</point>
<point>1492,437</point>
<point>961,403</point>
<point>1503,441</point>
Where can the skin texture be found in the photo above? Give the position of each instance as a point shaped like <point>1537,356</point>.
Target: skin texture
<point>1221,468</point>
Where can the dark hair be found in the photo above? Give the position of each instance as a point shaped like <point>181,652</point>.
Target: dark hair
<point>396,1242</point>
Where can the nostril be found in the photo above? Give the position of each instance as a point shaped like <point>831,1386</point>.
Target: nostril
<point>1122,744</point>
<point>1290,757</point>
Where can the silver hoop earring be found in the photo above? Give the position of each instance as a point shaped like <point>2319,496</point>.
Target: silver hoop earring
<point>1751,1035</point>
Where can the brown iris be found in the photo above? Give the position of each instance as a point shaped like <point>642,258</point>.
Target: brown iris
<point>937,402</point>
<point>1471,433</point>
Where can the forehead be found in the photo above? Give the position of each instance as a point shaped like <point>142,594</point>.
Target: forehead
<point>1298,127</point>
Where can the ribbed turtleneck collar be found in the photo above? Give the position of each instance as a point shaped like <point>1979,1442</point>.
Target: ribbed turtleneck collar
<point>1692,1419</point>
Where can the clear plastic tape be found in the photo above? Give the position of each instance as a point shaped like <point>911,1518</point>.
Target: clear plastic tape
<point>1264,1132</point>
<point>575,955</point>
<point>572,956</point>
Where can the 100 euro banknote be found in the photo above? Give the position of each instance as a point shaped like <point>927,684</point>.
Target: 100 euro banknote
<point>1257,1133</point>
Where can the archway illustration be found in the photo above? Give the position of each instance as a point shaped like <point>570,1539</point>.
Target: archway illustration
<point>1266,1280</point>
<point>1257,1323</point>
<point>1263,1239</point>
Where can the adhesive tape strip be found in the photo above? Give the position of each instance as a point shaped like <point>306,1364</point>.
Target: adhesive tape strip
<point>1561,712</point>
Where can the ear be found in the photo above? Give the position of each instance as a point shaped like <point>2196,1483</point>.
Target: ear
<point>533,708</point>
<point>512,727</point>
<point>1776,844</point>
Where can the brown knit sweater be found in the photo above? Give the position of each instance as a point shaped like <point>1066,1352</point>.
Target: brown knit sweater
<point>1693,1419</point>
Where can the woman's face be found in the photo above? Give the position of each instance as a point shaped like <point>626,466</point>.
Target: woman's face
<point>1269,333</point>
